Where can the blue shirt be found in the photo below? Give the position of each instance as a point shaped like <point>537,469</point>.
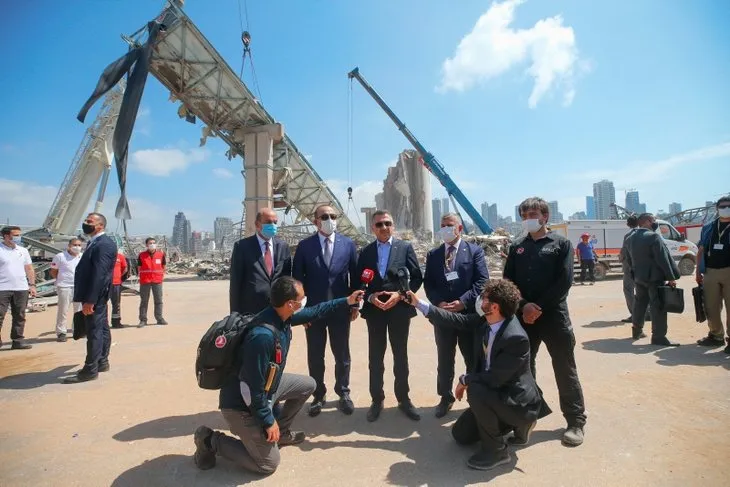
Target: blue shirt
<point>586,250</point>
<point>384,256</point>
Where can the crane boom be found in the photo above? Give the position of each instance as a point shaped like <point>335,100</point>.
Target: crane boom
<point>429,160</point>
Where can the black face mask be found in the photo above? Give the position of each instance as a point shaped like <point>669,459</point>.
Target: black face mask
<point>87,229</point>
<point>655,226</point>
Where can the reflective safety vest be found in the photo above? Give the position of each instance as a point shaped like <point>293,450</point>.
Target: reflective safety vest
<point>151,270</point>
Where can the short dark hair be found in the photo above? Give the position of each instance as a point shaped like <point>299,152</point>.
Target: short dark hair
<point>7,230</point>
<point>503,293</point>
<point>381,213</point>
<point>723,199</point>
<point>147,240</point>
<point>534,203</point>
<point>632,221</point>
<point>101,218</point>
<point>282,290</point>
<point>645,217</point>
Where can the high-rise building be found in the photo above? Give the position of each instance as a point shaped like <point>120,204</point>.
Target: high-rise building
<point>579,215</point>
<point>196,242</point>
<point>590,208</point>
<point>675,208</point>
<point>222,231</point>
<point>188,233</point>
<point>518,218</point>
<point>555,215</point>
<point>445,208</point>
<point>490,214</point>
<point>178,230</point>
<point>436,212</point>
<point>604,195</point>
<point>633,204</point>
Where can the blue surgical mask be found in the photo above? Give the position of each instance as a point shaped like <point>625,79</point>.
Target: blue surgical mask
<point>268,230</point>
<point>18,240</point>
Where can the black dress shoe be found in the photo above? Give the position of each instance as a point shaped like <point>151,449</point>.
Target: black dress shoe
<point>346,405</point>
<point>711,341</point>
<point>637,334</point>
<point>374,412</point>
<point>82,375</point>
<point>104,366</point>
<point>664,342</point>
<point>118,325</point>
<point>20,345</point>
<point>522,434</point>
<point>316,407</point>
<point>627,320</point>
<point>487,460</point>
<point>409,410</point>
<point>444,407</point>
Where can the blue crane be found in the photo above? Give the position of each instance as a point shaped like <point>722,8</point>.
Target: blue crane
<point>429,160</point>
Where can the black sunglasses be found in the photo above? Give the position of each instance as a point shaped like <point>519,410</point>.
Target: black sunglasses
<point>384,224</point>
<point>327,216</point>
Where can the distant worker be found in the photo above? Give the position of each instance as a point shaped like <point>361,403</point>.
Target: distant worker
<point>653,266</point>
<point>17,283</point>
<point>92,284</point>
<point>326,264</point>
<point>388,317</point>
<point>256,262</point>
<point>632,222</point>
<point>713,272</point>
<point>587,258</point>
<point>63,269</point>
<point>541,265</point>
<point>455,275</point>
<point>151,266</point>
<point>121,271</point>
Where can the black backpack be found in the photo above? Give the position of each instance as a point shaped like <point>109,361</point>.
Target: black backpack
<point>217,349</point>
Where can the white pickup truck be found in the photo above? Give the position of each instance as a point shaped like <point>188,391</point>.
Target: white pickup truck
<point>607,237</point>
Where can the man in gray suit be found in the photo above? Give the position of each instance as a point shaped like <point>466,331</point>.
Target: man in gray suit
<point>632,222</point>
<point>652,266</point>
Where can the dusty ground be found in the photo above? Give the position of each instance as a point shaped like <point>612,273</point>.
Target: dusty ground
<point>655,416</point>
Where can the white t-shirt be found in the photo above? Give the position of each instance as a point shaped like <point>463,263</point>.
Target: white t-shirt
<point>66,265</point>
<point>12,268</point>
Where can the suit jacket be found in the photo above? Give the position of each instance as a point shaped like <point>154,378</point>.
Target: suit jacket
<point>469,264</point>
<point>509,371</point>
<point>250,283</point>
<point>401,255</point>
<point>320,282</point>
<point>649,258</point>
<point>93,277</point>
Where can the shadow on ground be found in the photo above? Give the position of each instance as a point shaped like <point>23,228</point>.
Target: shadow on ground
<point>606,324</point>
<point>180,471</point>
<point>33,380</point>
<point>686,354</point>
<point>172,426</point>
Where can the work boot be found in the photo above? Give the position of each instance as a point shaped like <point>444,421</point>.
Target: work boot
<point>20,345</point>
<point>711,341</point>
<point>289,437</point>
<point>444,407</point>
<point>573,436</point>
<point>204,456</point>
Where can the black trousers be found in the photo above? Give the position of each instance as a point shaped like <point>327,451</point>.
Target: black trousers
<point>648,294</point>
<point>555,330</point>
<point>116,298</point>
<point>381,329</point>
<point>590,266</point>
<point>339,334</point>
<point>446,341</point>
<point>98,338</point>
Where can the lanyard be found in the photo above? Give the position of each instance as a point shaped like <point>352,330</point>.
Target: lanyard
<point>719,236</point>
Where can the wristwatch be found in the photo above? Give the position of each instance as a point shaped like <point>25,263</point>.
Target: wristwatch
<point>462,379</point>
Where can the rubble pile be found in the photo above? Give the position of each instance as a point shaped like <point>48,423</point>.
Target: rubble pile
<point>206,269</point>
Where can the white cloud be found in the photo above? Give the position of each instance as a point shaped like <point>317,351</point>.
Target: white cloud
<point>25,202</point>
<point>163,162</point>
<point>222,173</point>
<point>493,48</point>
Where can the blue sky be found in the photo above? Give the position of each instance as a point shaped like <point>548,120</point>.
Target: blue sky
<point>514,98</point>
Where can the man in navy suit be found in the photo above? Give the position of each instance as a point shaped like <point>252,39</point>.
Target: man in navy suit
<point>92,284</point>
<point>387,315</point>
<point>326,264</point>
<point>455,275</point>
<point>256,262</point>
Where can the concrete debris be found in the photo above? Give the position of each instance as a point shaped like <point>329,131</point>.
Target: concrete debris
<point>204,268</point>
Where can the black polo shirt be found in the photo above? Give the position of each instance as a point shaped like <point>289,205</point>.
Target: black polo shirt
<point>719,258</point>
<point>542,270</point>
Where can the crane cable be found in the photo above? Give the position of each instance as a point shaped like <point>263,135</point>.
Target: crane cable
<point>246,40</point>
<point>350,137</point>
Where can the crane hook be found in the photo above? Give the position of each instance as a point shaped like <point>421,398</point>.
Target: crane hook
<point>349,192</point>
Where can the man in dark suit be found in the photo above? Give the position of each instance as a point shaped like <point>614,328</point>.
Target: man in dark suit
<point>92,284</point>
<point>455,274</point>
<point>256,262</point>
<point>500,388</point>
<point>326,264</point>
<point>652,266</point>
<point>386,314</point>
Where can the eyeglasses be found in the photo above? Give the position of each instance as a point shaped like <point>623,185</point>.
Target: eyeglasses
<point>384,224</point>
<point>327,216</point>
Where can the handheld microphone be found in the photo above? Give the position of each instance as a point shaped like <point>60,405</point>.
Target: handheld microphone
<point>365,279</point>
<point>404,282</point>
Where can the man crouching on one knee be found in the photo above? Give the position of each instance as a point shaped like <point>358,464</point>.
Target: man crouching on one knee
<point>500,389</point>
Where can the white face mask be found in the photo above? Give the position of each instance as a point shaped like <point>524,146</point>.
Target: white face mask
<point>303,303</point>
<point>723,212</point>
<point>152,247</point>
<point>329,226</point>
<point>531,225</point>
<point>448,234</point>
<point>478,306</point>
<point>76,249</point>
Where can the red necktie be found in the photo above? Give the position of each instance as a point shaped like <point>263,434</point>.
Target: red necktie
<point>268,260</point>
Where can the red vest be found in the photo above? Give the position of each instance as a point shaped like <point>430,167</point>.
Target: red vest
<point>120,267</point>
<point>151,270</point>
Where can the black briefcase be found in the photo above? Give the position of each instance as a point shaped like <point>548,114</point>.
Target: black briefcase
<point>672,299</point>
<point>698,295</point>
<point>79,322</point>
